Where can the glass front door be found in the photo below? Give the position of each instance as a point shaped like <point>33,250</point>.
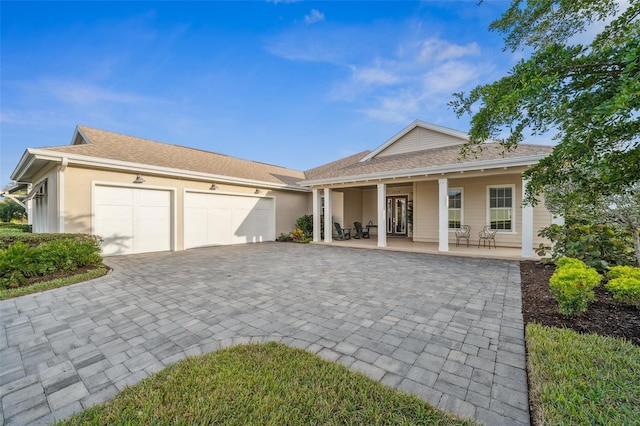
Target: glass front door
<point>397,215</point>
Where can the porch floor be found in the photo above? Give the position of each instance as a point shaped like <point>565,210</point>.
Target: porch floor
<point>406,244</point>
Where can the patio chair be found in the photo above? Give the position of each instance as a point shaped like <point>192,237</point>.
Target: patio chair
<point>487,234</point>
<point>342,233</point>
<point>360,233</point>
<point>463,234</point>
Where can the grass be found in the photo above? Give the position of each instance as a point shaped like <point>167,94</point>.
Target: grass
<point>55,283</point>
<point>578,379</point>
<point>266,384</point>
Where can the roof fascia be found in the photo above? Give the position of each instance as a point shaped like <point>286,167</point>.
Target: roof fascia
<point>43,154</point>
<point>447,168</point>
<point>410,127</point>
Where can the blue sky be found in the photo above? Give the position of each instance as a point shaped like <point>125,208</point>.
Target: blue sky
<point>292,83</point>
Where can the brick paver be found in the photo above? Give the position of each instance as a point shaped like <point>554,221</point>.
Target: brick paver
<point>444,328</point>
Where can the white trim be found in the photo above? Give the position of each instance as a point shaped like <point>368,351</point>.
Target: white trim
<point>83,160</point>
<point>423,171</point>
<point>60,203</point>
<point>461,189</point>
<point>315,197</point>
<point>513,207</point>
<point>443,215</point>
<point>34,190</point>
<point>416,123</point>
<point>527,226</point>
<point>382,215</point>
<point>173,197</point>
<point>328,216</point>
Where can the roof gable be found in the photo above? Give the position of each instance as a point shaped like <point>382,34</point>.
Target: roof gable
<point>418,136</point>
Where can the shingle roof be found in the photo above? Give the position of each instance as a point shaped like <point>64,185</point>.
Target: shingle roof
<point>351,166</point>
<point>116,146</point>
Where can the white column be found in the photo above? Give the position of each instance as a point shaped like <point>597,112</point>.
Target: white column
<point>315,195</point>
<point>328,223</point>
<point>382,215</point>
<point>443,215</point>
<point>527,225</point>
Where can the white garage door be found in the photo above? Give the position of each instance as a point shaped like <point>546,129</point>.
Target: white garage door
<point>218,219</point>
<point>132,220</point>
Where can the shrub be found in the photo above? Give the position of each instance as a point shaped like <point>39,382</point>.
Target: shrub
<point>572,285</point>
<point>15,227</point>
<point>597,245</point>
<point>623,271</point>
<point>305,224</point>
<point>297,235</point>
<point>20,261</point>
<point>625,289</point>
<point>283,238</point>
<point>34,240</point>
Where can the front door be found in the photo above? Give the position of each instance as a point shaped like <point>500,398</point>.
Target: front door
<point>397,215</point>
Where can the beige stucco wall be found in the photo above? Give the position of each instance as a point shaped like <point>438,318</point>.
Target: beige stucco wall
<point>475,209</point>
<point>77,209</point>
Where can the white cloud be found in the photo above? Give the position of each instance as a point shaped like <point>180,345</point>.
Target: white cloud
<point>82,94</point>
<point>314,16</point>
<point>437,50</point>
<point>374,75</point>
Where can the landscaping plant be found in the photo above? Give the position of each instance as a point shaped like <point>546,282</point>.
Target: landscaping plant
<point>624,283</point>
<point>572,285</point>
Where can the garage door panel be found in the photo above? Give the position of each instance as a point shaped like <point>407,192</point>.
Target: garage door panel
<point>230,219</point>
<point>132,220</point>
<point>193,231</point>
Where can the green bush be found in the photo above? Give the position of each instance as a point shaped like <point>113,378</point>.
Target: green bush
<point>572,285</point>
<point>623,271</point>
<point>15,227</point>
<point>34,240</point>
<point>597,245</point>
<point>625,289</point>
<point>625,284</point>
<point>20,261</point>
<point>305,224</point>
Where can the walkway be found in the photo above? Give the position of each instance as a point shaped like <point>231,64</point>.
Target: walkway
<point>447,329</point>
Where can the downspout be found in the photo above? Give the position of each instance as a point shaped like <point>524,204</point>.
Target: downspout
<point>63,165</point>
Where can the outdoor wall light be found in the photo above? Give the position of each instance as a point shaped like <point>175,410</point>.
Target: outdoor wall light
<point>139,179</point>
<point>213,187</point>
<point>257,191</point>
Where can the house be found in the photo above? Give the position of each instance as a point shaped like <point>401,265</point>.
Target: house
<point>143,196</point>
<point>416,185</point>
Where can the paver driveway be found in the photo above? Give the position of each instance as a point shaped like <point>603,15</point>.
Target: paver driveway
<point>445,328</point>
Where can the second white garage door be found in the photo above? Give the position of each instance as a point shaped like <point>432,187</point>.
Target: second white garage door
<point>218,219</point>
<point>132,220</point>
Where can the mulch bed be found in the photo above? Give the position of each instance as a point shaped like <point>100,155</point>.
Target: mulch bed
<point>605,315</point>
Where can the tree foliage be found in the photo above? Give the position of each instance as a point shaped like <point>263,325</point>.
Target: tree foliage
<point>10,210</point>
<point>589,95</point>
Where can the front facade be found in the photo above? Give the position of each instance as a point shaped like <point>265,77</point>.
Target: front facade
<point>143,196</point>
<point>416,186</point>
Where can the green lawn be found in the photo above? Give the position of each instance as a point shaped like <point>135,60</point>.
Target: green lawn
<point>9,293</point>
<point>580,379</point>
<point>262,384</point>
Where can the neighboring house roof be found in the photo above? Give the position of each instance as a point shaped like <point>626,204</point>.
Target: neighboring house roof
<point>119,149</point>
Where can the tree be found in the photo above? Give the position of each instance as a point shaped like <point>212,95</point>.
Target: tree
<point>10,210</point>
<point>589,95</point>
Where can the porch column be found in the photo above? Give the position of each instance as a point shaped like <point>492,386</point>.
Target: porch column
<point>328,225</point>
<point>443,215</point>
<point>527,225</point>
<point>382,215</point>
<point>315,195</point>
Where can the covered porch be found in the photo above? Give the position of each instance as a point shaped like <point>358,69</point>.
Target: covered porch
<point>408,245</point>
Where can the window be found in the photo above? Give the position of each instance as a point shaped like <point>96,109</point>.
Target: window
<point>455,208</point>
<point>501,208</point>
